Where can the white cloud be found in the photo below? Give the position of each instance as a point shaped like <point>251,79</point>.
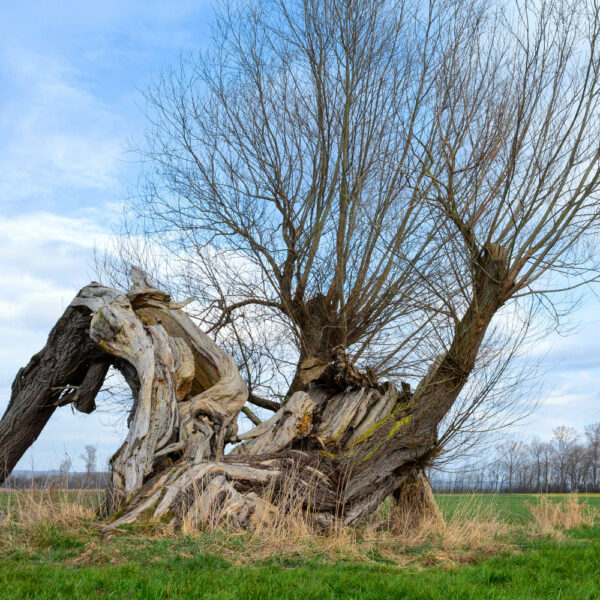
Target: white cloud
<point>43,227</point>
<point>44,260</point>
<point>56,135</point>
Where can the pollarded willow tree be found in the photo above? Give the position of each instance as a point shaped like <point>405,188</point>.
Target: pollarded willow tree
<point>379,187</point>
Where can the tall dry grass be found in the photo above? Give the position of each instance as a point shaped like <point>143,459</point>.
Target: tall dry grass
<point>29,518</point>
<point>551,517</point>
<point>472,530</point>
<point>281,522</point>
<point>281,527</point>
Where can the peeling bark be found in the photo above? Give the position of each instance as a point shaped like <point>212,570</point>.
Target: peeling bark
<point>338,447</point>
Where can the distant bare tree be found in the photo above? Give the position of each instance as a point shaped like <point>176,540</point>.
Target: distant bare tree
<point>563,441</point>
<point>89,458</point>
<point>511,458</point>
<point>64,469</point>
<point>541,454</point>
<point>592,434</point>
<point>577,466</point>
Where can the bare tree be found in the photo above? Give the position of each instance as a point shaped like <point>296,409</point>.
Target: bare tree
<point>577,467</point>
<point>563,441</point>
<point>391,185</point>
<point>64,470</point>
<point>89,459</point>
<point>282,179</point>
<point>511,461</point>
<point>592,434</point>
<point>540,453</point>
<point>348,174</point>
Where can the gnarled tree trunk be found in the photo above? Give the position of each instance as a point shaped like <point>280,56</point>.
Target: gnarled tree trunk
<point>342,444</point>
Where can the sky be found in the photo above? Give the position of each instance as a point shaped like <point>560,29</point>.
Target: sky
<point>72,76</point>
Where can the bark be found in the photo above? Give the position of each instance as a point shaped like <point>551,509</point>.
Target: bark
<point>70,368</point>
<point>415,504</point>
<point>336,449</point>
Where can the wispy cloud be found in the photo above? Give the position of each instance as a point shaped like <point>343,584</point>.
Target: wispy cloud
<point>69,79</point>
<point>60,141</point>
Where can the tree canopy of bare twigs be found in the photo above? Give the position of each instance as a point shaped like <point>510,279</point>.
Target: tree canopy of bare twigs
<point>407,180</point>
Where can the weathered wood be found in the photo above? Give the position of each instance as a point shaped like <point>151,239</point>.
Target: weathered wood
<point>338,447</point>
<point>292,422</point>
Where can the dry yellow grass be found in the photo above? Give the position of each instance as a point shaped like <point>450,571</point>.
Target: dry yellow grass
<point>283,528</point>
<point>27,516</point>
<point>28,519</point>
<point>552,518</point>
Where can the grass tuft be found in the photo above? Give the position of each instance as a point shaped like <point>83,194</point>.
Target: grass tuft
<point>552,517</point>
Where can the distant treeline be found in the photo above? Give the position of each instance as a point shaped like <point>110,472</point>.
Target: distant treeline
<point>568,462</point>
<point>64,477</point>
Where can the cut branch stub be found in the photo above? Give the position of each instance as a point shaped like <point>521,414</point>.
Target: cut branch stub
<point>291,422</point>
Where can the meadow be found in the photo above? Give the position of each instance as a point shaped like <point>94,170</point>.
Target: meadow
<point>496,547</point>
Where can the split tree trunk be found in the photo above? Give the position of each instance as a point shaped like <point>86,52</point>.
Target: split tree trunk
<point>338,447</point>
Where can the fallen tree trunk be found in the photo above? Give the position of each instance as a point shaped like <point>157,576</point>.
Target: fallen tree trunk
<point>337,448</point>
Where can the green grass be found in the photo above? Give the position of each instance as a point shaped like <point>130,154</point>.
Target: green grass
<point>49,567</point>
<point>512,507</point>
<point>550,571</point>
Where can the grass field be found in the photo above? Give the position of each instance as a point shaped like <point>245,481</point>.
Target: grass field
<point>493,547</point>
<point>510,507</point>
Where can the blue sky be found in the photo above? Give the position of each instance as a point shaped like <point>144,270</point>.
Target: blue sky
<point>71,75</point>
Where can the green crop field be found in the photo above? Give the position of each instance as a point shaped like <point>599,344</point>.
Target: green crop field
<point>58,557</point>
